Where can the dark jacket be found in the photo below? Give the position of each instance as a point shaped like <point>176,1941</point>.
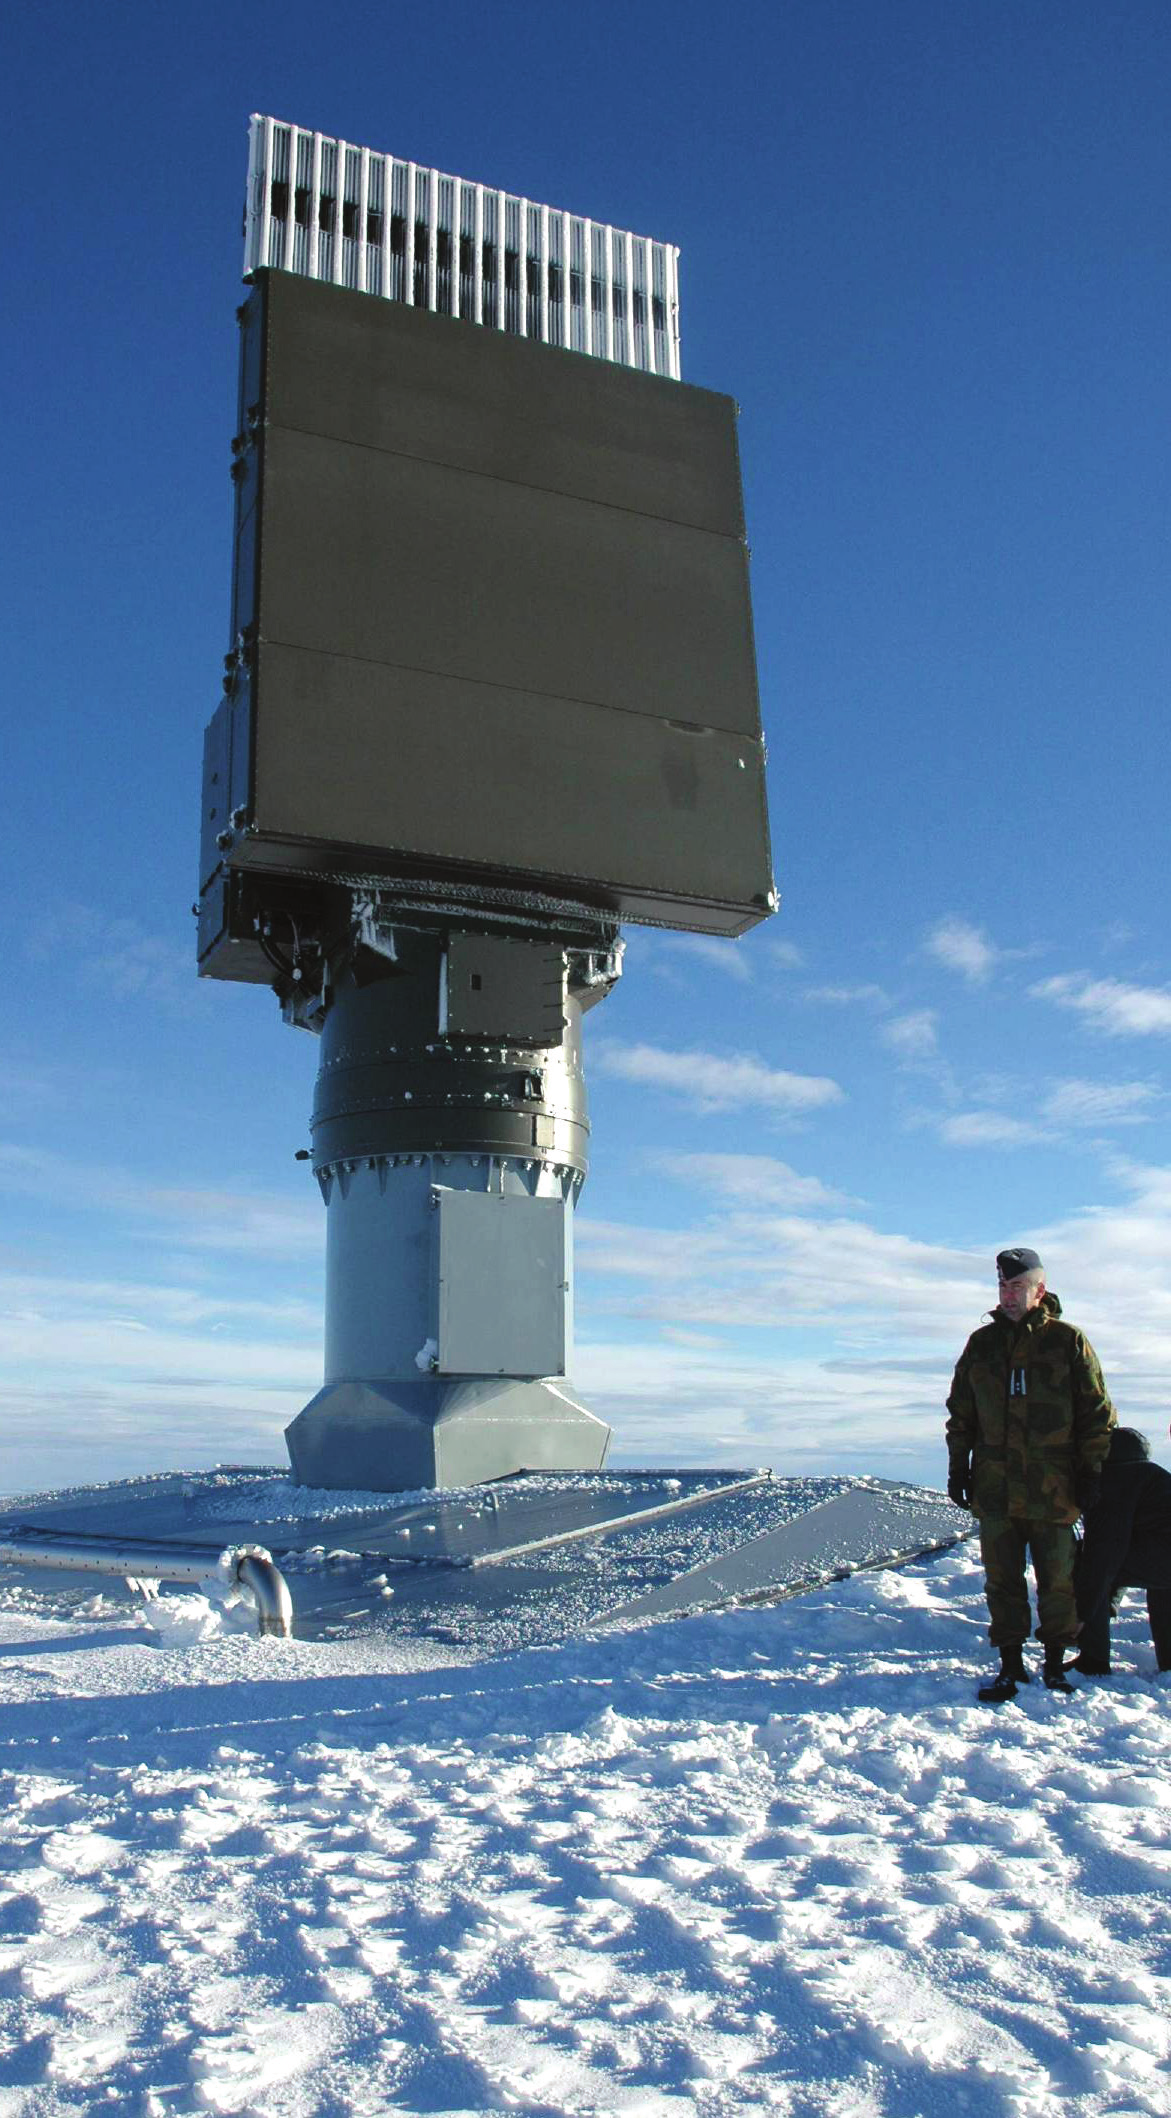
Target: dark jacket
<point>1029,1404</point>
<point>1128,1536</point>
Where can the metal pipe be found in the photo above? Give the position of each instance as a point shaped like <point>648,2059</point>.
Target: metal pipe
<point>289,244</point>
<point>412,209</point>
<point>249,1567</point>
<point>269,1591</point>
<point>387,221</point>
<point>432,240</point>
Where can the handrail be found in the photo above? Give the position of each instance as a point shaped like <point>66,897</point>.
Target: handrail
<point>248,1567</point>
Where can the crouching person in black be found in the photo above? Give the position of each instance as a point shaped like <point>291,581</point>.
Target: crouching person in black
<point>1127,1545</point>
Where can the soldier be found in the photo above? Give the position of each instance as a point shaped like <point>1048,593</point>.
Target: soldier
<point>1028,1429</point>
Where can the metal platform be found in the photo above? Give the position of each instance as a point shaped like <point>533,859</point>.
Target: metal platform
<point>519,1562</point>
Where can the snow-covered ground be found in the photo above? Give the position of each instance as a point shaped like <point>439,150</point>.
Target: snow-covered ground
<point>775,1859</point>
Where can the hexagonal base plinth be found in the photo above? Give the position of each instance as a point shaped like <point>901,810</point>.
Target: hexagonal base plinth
<point>396,1435</point>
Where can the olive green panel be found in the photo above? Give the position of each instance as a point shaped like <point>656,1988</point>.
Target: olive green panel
<point>495,988</point>
<point>495,617</point>
<point>390,560</point>
<point>401,380</point>
<point>350,752</point>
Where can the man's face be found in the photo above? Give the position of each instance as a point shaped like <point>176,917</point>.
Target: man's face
<point>1018,1296</point>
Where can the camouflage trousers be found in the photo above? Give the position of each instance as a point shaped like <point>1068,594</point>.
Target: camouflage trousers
<point>1004,1546</point>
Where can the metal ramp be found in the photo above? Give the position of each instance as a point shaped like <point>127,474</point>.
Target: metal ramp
<point>870,1525</point>
<point>519,1562</point>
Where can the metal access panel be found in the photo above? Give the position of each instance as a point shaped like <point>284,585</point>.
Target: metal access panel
<point>511,990</point>
<point>503,1285</point>
<point>492,611</point>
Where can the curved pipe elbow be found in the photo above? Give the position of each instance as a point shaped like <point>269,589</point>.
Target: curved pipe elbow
<point>264,1582</point>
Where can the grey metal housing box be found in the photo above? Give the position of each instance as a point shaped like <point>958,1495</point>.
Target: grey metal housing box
<point>503,1285</point>
<point>492,615</point>
<point>510,990</point>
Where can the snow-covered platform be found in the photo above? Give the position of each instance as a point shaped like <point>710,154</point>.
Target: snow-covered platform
<point>774,1862</point>
<point>517,1562</point>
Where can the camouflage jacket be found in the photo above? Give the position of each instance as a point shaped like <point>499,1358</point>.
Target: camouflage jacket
<point>1028,1400</point>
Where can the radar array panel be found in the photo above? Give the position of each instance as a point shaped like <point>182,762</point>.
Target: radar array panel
<point>330,211</point>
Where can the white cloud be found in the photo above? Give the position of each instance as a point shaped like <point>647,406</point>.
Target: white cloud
<point>671,1402</point>
<point>913,1036</point>
<point>103,1342</point>
<point>887,1317</point>
<point>835,1342</point>
<point>988,1128</point>
<point>118,955</point>
<point>103,1376</point>
<point>714,1081</point>
<point>758,1180</point>
<point>847,996</point>
<point>750,1265</point>
<point>1108,1005</point>
<point>269,1224</point>
<point>1119,934</point>
<point>964,948</point>
<point>117,1427</point>
<point>255,1222</point>
<point>1112,1267</point>
<point>154,1305</point>
<point>1067,1106</point>
<point>728,957</point>
<point>1096,1103</point>
<point>787,954</point>
<point>624,1250</point>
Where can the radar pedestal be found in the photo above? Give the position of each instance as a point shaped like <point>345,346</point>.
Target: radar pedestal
<point>449,1141</point>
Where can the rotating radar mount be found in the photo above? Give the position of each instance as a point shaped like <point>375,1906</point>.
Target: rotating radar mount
<point>490,692</point>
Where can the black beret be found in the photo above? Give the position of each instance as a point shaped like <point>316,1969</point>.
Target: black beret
<point>1011,1263</point>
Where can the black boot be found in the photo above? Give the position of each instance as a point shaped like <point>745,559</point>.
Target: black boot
<point>1012,1672</point>
<point>1089,1666</point>
<point>1054,1670</point>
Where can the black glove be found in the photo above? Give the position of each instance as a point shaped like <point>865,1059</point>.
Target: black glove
<point>1087,1486</point>
<point>959,1479</point>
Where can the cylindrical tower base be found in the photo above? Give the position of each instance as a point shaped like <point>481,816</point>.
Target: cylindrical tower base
<point>450,1164</point>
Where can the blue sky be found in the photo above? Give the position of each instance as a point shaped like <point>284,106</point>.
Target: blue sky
<point>924,246</point>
